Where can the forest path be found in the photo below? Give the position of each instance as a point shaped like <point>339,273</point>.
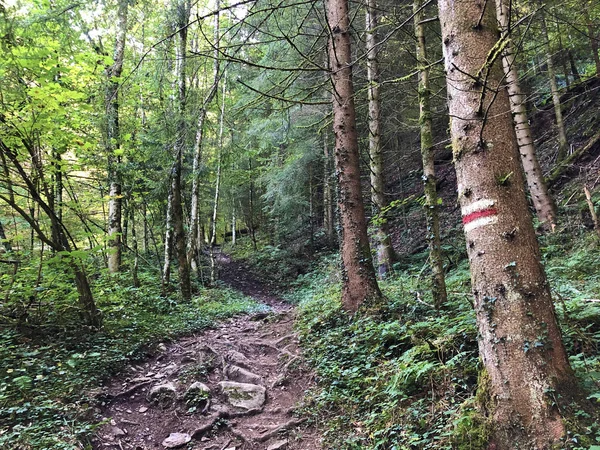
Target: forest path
<point>233,387</point>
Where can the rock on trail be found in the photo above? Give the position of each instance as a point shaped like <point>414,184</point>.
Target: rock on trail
<point>232,387</point>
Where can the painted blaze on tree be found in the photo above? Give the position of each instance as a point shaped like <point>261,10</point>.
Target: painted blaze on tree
<point>530,380</point>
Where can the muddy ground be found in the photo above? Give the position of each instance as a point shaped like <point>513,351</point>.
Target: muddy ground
<point>184,396</point>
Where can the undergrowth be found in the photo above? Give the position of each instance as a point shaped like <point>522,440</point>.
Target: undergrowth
<point>408,377</point>
<point>52,368</point>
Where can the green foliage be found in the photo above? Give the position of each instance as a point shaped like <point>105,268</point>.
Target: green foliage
<point>391,381</point>
<point>409,377</point>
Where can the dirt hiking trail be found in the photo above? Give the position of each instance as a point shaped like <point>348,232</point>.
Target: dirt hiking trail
<point>233,387</point>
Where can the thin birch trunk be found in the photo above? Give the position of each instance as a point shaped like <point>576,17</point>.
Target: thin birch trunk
<point>166,271</point>
<point>440,295</point>
<point>193,253</point>
<point>233,227</point>
<point>542,201</point>
<point>385,251</point>
<point>213,234</point>
<point>113,141</point>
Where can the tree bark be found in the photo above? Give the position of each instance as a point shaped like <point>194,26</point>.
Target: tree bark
<point>385,251</point>
<point>592,208</point>
<point>542,201</point>
<point>113,143</point>
<point>213,234</point>
<point>134,243</point>
<point>328,207</point>
<point>193,232</point>
<point>574,71</point>
<point>359,280</point>
<point>166,271</point>
<point>5,241</point>
<point>519,339</point>
<point>563,144</point>
<point>179,235</point>
<point>440,295</point>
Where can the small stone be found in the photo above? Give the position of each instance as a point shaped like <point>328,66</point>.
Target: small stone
<point>164,395</point>
<point>162,347</point>
<point>143,409</point>
<point>176,440</point>
<point>244,395</point>
<point>279,445</point>
<point>118,432</point>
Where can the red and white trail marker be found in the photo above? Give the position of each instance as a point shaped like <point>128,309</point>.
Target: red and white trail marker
<point>478,214</point>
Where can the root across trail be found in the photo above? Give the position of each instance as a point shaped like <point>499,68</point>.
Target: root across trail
<point>234,387</point>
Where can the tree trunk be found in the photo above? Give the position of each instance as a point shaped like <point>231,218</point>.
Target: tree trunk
<point>57,200</point>
<point>542,201</point>
<point>328,207</point>
<point>592,208</point>
<point>519,339</point>
<point>385,251</point>
<point>213,234</point>
<point>166,272</point>
<point>91,316</point>
<point>134,243</point>
<point>563,144</point>
<point>179,234</point>
<point>193,232</point>
<point>233,227</point>
<point>359,280</point>
<point>574,71</point>
<point>113,143</point>
<point>593,37</point>
<point>440,295</point>
<point>4,240</point>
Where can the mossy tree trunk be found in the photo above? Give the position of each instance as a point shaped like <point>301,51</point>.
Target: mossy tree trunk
<point>519,338</point>
<point>359,280</point>
<point>113,141</point>
<point>440,295</point>
<point>542,201</point>
<point>179,235</point>
<point>385,251</point>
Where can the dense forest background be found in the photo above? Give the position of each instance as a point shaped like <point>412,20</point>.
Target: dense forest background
<point>141,141</point>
